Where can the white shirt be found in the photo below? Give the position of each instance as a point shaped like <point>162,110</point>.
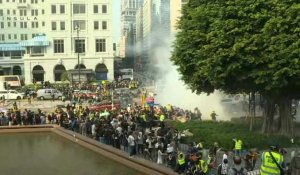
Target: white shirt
<point>225,156</point>
<point>93,129</point>
<point>170,149</point>
<point>150,143</point>
<point>131,140</point>
<point>159,157</point>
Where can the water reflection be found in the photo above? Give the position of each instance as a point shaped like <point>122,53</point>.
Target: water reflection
<point>48,154</point>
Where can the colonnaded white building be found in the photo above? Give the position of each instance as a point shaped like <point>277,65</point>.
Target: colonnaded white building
<point>41,39</point>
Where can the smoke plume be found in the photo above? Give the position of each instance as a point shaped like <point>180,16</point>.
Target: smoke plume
<point>171,90</point>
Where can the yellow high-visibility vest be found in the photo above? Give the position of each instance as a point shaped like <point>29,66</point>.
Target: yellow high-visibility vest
<point>162,117</point>
<point>268,166</point>
<point>238,144</point>
<point>203,166</point>
<point>181,161</point>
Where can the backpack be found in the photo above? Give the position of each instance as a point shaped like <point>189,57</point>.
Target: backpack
<point>236,172</point>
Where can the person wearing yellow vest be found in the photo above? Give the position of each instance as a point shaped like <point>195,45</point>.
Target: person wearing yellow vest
<point>162,117</point>
<point>268,164</point>
<point>181,164</point>
<point>202,166</point>
<point>238,146</point>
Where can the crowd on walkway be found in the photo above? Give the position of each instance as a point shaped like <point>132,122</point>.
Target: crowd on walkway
<point>142,132</point>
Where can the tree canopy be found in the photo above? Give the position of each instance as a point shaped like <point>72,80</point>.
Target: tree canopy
<point>243,46</point>
<point>240,46</point>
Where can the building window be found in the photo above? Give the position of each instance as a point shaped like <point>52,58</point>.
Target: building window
<point>25,24</point>
<point>21,25</point>
<point>78,8</point>
<point>96,9</point>
<point>0,1</point>
<point>96,25</point>
<point>15,24</point>
<point>43,11</point>
<point>34,24</point>
<point>36,12</point>
<point>104,25</point>
<point>80,24</point>
<point>79,45</point>
<point>104,8</point>
<point>2,37</point>
<point>23,12</point>
<point>62,9</point>
<point>100,45</point>
<point>8,11</point>
<point>8,24</point>
<point>25,36</point>
<point>62,25</point>
<point>2,25</point>
<point>53,9</point>
<point>43,23</point>
<point>9,36</point>
<point>58,46</point>
<point>53,25</point>
<point>1,12</point>
<point>15,36</point>
<point>14,12</point>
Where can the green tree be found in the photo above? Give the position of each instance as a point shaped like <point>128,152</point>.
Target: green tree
<point>242,46</point>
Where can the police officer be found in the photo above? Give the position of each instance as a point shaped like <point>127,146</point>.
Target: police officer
<point>268,164</point>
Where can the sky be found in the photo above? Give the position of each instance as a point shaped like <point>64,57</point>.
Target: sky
<point>116,20</point>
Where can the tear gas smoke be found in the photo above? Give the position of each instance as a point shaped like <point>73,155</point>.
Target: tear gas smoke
<point>171,90</point>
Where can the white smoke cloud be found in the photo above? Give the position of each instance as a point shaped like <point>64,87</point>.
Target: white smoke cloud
<point>171,90</point>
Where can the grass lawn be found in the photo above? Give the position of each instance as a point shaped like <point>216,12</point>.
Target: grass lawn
<point>223,133</point>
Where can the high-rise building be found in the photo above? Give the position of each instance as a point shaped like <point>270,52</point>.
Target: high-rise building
<point>41,39</point>
<point>128,29</point>
<point>176,7</point>
<point>156,23</point>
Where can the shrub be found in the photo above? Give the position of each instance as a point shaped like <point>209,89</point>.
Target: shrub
<point>223,132</point>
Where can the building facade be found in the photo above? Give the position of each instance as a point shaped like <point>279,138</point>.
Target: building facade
<point>54,36</point>
<point>156,24</point>
<point>128,29</point>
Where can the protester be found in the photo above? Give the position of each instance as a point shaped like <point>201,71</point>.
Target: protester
<point>238,146</point>
<point>295,165</point>
<point>223,167</point>
<point>237,168</point>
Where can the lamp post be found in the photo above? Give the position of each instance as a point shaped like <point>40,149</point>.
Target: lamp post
<point>78,64</point>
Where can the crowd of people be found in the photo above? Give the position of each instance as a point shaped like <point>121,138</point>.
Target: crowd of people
<point>142,132</point>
